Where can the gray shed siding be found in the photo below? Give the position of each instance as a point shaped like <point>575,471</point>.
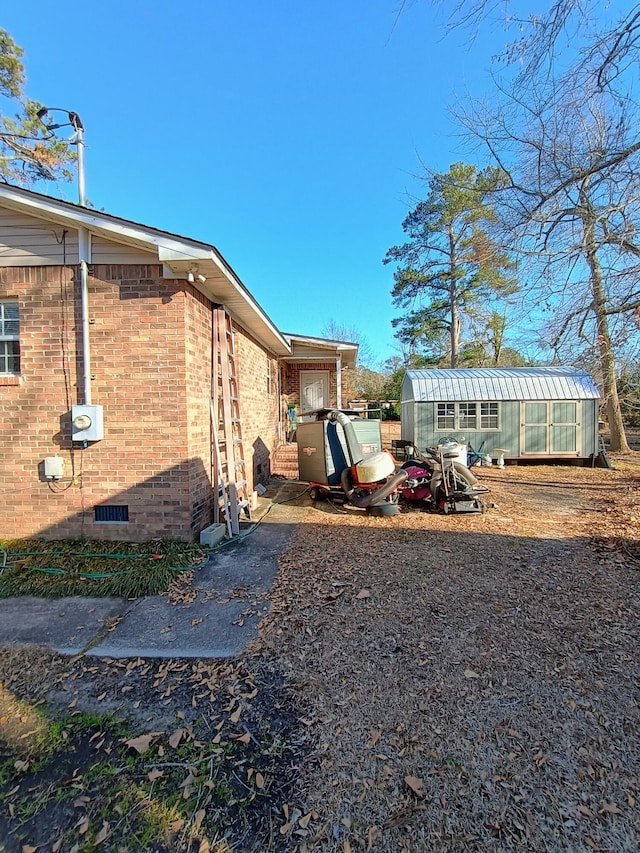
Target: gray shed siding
<point>542,412</point>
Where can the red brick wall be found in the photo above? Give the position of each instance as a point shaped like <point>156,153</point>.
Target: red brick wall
<point>198,329</point>
<point>291,381</point>
<point>138,363</point>
<point>259,404</point>
<point>151,362</point>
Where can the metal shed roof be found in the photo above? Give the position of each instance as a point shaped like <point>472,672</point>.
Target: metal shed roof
<point>499,383</point>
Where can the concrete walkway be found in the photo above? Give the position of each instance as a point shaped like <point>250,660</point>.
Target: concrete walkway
<point>232,596</point>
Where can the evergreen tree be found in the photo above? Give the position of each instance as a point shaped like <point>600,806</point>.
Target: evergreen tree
<point>29,152</point>
<point>450,267</point>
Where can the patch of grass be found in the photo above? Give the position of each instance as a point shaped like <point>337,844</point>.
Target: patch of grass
<point>59,568</point>
<point>214,784</point>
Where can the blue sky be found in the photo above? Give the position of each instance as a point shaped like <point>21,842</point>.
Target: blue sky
<point>288,134</point>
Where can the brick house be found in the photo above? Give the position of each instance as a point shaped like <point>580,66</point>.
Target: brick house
<point>102,315</point>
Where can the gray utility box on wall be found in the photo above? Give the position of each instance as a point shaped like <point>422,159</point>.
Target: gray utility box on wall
<point>87,423</point>
<point>322,448</point>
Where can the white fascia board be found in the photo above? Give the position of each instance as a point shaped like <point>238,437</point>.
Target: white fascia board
<point>175,253</point>
<point>67,213</point>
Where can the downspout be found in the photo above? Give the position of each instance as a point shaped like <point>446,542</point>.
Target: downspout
<point>84,249</point>
<point>84,258</point>
<point>338,381</point>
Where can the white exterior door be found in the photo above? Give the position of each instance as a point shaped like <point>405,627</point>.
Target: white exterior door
<point>314,392</point>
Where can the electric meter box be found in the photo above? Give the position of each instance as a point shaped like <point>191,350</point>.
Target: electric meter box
<point>87,423</point>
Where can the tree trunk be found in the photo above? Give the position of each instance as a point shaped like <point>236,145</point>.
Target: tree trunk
<point>605,349</point>
<point>454,331</point>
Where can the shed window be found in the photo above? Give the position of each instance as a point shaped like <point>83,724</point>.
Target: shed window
<point>467,418</point>
<point>9,337</point>
<point>446,416</point>
<point>452,417</point>
<point>488,416</point>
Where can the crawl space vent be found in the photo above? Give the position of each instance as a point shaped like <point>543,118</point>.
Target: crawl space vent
<point>112,513</point>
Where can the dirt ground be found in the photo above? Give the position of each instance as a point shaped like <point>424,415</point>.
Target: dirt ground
<point>445,683</point>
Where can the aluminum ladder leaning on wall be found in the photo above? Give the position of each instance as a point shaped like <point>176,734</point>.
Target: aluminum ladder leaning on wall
<point>229,469</point>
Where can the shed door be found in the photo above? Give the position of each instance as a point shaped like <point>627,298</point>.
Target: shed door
<point>565,428</point>
<point>535,427</point>
<point>550,427</point>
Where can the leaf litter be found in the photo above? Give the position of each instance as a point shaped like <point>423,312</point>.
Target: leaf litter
<point>421,682</point>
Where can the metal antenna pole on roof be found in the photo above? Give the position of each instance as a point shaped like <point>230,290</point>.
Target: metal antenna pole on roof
<point>76,123</point>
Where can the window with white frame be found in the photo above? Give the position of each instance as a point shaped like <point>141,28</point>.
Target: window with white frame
<point>9,337</point>
<point>446,418</point>
<point>466,417</point>
<point>489,416</point>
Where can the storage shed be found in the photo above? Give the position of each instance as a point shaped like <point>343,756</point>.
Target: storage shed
<point>527,412</point>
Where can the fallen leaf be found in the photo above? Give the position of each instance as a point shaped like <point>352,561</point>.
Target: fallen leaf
<point>198,818</point>
<point>27,848</point>
<point>154,774</point>
<point>236,715</point>
<point>469,673</point>
<point>284,829</point>
<point>304,821</point>
<point>176,737</point>
<point>104,833</point>
<point>142,743</point>
<point>259,780</point>
<point>372,836</point>
<point>364,593</point>
<point>83,825</point>
<point>416,785</point>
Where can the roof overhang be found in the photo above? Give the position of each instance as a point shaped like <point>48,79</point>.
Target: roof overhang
<point>310,350</point>
<point>181,257</point>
